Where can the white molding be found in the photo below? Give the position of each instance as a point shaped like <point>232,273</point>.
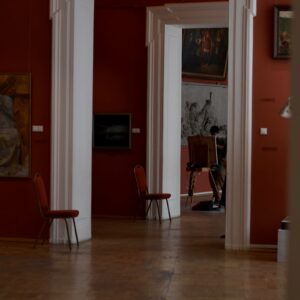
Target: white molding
<point>72,31</point>
<point>198,194</point>
<point>240,102</point>
<point>262,246</point>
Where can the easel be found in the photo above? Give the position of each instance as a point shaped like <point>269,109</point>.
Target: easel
<point>202,155</point>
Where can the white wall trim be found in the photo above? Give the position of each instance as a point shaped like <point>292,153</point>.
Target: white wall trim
<point>72,74</point>
<point>263,246</point>
<point>240,14</point>
<point>239,142</point>
<point>208,193</point>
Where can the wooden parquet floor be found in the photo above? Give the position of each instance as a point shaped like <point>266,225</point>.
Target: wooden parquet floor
<point>143,260</point>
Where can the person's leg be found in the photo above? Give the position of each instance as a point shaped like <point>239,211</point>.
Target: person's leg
<point>212,180</point>
<point>223,196</point>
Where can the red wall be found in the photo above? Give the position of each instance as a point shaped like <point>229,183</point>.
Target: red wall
<point>120,77</point>
<point>26,47</point>
<point>270,153</point>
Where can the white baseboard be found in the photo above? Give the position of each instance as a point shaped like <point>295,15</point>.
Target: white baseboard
<point>262,246</point>
<point>198,194</point>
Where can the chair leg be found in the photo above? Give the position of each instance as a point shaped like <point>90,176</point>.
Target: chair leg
<point>69,240</point>
<point>49,225</point>
<point>168,209</point>
<point>75,232</point>
<point>148,208</point>
<point>40,233</point>
<point>137,208</point>
<point>159,217</point>
<point>40,236</point>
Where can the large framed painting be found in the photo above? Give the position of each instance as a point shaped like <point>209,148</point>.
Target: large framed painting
<point>282,45</point>
<point>203,106</point>
<point>112,131</point>
<point>205,52</point>
<point>15,154</point>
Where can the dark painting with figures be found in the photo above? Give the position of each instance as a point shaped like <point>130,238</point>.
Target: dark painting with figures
<point>204,52</point>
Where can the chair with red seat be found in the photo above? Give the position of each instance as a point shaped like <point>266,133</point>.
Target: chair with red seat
<point>49,215</point>
<point>144,195</point>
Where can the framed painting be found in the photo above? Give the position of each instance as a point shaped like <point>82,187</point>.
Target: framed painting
<point>203,106</point>
<point>282,45</point>
<point>205,52</point>
<point>112,131</point>
<point>15,151</point>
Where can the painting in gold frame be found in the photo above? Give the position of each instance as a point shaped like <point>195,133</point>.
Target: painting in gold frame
<point>15,154</point>
<point>205,52</point>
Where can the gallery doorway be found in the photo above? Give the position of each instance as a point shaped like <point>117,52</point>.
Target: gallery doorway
<point>164,40</point>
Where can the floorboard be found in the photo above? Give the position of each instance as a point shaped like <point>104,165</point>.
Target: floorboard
<point>127,259</point>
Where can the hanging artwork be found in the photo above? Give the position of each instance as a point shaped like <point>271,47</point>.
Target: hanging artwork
<point>14,125</point>
<point>204,52</point>
<point>112,131</point>
<point>282,45</point>
<point>203,106</point>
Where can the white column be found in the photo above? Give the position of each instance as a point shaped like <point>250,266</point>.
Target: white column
<point>71,140</point>
<point>172,119</point>
<point>239,141</point>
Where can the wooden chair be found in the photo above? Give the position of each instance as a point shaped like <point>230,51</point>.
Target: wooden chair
<point>145,196</point>
<point>49,215</point>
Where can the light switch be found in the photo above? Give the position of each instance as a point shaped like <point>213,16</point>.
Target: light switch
<point>136,130</point>
<point>37,128</point>
<point>263,131</point>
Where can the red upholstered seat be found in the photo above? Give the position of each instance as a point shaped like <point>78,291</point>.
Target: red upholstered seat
<point>156,196</point>
<point>144,195</point>
<point>50,215</point>
<point>72,213</point>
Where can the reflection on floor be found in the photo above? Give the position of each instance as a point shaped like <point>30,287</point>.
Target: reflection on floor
<point>143,260</point>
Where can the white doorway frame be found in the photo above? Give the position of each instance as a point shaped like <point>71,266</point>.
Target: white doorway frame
<point>238,14</point>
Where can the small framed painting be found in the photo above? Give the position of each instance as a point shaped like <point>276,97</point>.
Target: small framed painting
<point>112,131</point>
<point>283,16</point>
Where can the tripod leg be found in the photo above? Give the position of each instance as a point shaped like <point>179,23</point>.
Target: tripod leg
<point>214,186</point>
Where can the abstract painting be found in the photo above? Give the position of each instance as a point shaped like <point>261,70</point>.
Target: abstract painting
<point>15,125</point>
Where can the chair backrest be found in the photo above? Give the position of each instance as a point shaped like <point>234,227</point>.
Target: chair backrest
<point>41,195</point>
<point>141,181</point>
